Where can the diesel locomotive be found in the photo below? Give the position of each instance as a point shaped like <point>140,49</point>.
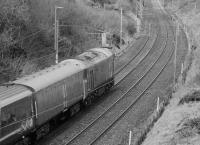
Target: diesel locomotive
<point>30,105</point>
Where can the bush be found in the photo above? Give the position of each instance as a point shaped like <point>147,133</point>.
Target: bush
<point>192,97</point>
<point>15,19</point>
<point>131,29</point>
<point>102,2</point>
<point>26,30</point>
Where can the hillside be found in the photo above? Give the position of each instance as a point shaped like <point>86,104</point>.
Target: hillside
<point>27,31</point>
<point>180,122</point>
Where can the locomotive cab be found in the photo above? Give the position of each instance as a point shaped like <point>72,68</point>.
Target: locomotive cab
<point>16,114</point>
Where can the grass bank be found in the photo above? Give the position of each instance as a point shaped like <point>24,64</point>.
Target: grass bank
<point>179,124</point>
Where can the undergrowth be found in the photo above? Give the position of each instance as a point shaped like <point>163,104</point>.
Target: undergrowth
<point>27,32</point>
<point>192,97</point>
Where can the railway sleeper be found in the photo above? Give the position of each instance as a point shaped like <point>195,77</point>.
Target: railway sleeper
<point>43,131</point>
<point>25,141</point>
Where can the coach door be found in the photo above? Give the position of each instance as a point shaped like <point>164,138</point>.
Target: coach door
<point>65,95</point>
<point>0,123</point>
<point>85,84</point>
<point>91,80</point>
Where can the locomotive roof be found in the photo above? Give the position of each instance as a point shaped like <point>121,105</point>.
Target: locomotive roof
<point>105,51</point>
<point>51,75</point>
<point>94,55</point>
<point>11,92</point>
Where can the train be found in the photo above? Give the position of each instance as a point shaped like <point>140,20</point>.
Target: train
<point>31,105</point>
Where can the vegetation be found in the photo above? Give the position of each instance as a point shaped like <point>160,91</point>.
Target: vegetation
<point>27,32</point>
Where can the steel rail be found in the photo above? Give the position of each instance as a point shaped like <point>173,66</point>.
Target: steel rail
<point>121,68</point>
<point>138,97</point>
<point>154,39</point>
<point>142,59</point>
<point>134,102</point>
<point>139,52</point>
<point>122,97</point>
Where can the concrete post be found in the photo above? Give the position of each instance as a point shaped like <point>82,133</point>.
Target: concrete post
<point>130,138</point>
<point>121,27</point>
<point>104,39</point>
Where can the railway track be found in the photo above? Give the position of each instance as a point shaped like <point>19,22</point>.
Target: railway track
<point>65,140</point>
<point>145,40</point>
<point>121,119</point>
<point>135,69</point>
<point>124,91</point>
<point>141,105</point>
<point>135,72</point>
<point>137,60</point>
<point>104,122</point>
<point>139,48</point>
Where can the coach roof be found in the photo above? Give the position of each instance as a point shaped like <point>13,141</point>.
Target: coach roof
<point>51,75</point>
<point>12,92</point>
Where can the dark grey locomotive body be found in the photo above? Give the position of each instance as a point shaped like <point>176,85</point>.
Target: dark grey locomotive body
<point>29,105</point>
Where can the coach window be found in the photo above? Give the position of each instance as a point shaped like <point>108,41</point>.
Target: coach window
<point>14,114</point>
<point>7,118</point>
